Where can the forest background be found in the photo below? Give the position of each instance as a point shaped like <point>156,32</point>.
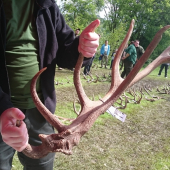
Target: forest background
<point>115,17</point>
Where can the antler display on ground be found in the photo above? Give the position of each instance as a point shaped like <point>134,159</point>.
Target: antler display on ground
<point>69,136</point>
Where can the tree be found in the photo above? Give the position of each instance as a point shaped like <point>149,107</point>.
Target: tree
<point>149,15</point>
<point>79,13</point>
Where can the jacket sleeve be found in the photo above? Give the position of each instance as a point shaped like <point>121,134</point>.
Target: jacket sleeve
<point>4,101</point>
<point>67,54</point>
<point>142,50</point>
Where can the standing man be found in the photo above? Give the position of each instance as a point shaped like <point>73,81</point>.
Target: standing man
<point>34,35</point>
<point>139,49</point>
<point>88,66</point>
<point>164,65</point>
<point>129,59</point>
<point>105,50</point>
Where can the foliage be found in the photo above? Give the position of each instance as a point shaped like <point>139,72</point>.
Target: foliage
<point>79,13</point>
<point>149,15</point>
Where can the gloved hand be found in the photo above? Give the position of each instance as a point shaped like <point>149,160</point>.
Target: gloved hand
<point>16,137</point>
<point>89,40</point>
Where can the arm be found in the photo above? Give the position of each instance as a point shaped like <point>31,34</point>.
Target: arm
<point>128,51</point>
<point>70,47</point>
<point>126,56</point>
<point>141,52</point>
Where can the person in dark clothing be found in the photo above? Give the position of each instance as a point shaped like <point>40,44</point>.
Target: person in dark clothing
<point>139,49</point>
<point>165,65</point>
<point>88,66</point>
<point>34,35</point>
<point>113,56</point>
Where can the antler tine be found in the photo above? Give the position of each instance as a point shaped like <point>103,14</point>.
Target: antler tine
<point>53,120</point>
<point>116,79</point>
<point>163,58</point>
<point>77,83</point>
<point>74,106</point>
<point>115,66</point>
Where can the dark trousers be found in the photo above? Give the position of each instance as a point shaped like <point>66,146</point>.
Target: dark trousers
<point>111,64</point>
<point>36,124</point>
<point>88,66</point>
<point>162,67</point>
<point>128,66</point>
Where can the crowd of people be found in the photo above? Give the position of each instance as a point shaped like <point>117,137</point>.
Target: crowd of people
<point>130,56</point>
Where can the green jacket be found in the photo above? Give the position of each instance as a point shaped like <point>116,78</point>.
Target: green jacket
<point>133,55</point>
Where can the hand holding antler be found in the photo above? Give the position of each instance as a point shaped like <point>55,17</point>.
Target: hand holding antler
<point>16,137</point>
<point>89,40</point>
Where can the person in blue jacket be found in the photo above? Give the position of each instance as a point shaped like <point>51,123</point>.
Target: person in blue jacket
<point>105,50</point>
<point>34,35</point>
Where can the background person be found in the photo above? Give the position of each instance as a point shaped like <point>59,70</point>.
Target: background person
<point>88,66</point>
<point>129,59</point>
<point>105,50</point>
<point>113,56</point>
<point>139,49</point>
<point>165,65</point>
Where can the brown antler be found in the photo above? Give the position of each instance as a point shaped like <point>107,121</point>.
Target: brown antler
<point>69,136</point>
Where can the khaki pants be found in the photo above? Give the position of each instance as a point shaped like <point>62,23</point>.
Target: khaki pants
<point>104,61</point>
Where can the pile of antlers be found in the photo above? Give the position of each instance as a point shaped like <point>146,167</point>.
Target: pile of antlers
<point>132,95</point>
<point>69,135</point>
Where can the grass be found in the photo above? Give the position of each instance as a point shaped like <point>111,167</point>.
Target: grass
<point>140,143</point>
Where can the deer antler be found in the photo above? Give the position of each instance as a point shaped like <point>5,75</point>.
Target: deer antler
<point>69,136</point>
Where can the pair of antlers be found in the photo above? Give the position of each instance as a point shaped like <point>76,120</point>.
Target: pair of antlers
<point>69,136</point>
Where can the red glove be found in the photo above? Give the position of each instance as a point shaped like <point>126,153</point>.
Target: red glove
<point>89,40</point>
<point>16,137</point>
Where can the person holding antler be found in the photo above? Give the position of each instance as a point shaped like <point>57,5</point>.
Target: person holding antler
<point>34,35</point>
